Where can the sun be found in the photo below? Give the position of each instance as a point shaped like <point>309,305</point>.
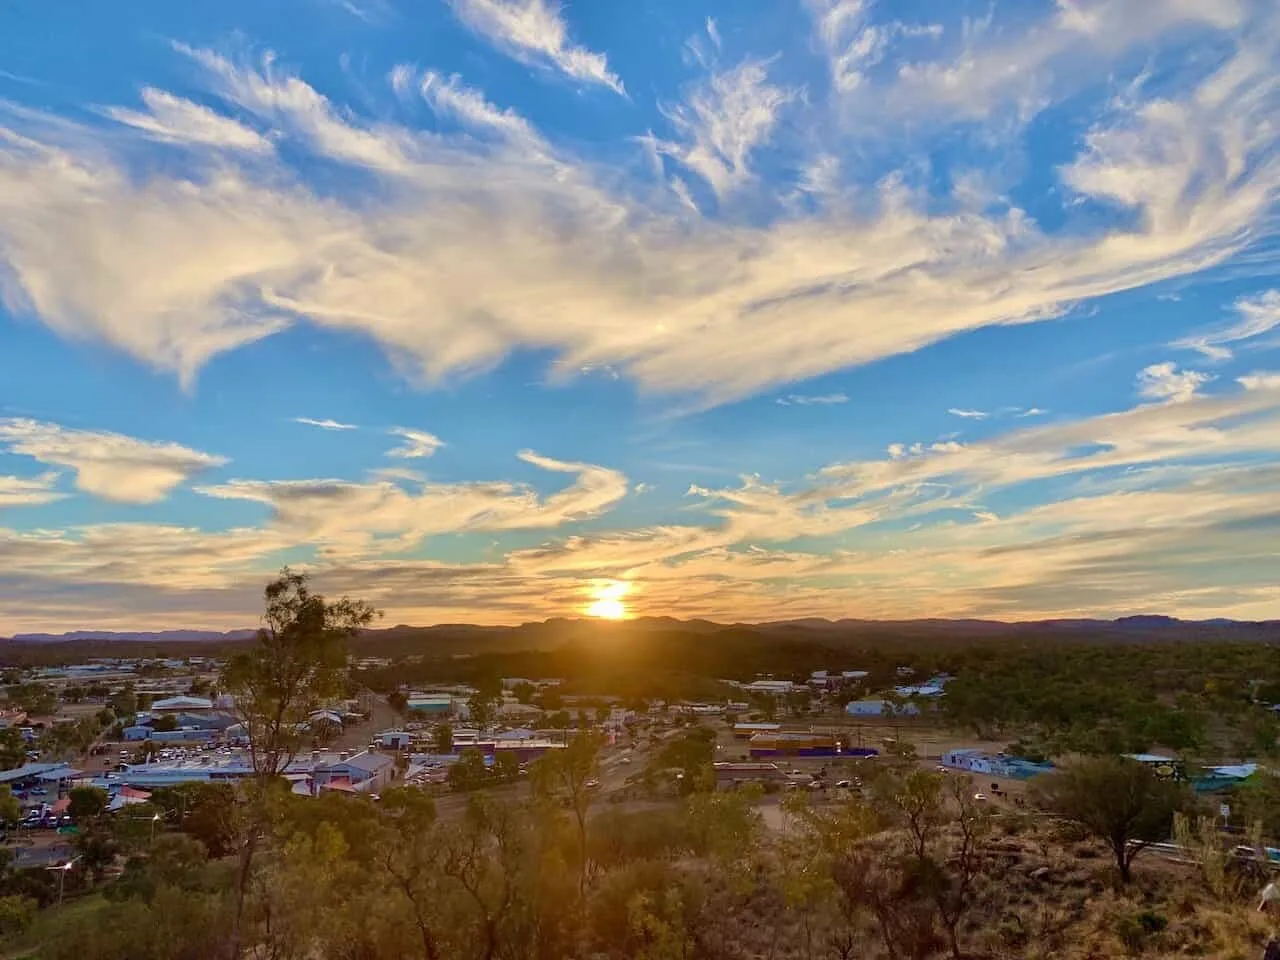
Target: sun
<point>608,604</point>
<point>607,609</point>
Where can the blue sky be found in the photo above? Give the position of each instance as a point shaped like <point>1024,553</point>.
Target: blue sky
<point>493,309</point>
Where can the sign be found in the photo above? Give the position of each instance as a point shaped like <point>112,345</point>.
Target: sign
<point>1225,810</point>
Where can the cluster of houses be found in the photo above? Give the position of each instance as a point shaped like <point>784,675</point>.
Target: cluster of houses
<point>907,699</point>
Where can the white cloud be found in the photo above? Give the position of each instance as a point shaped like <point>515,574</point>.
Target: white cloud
<point>325,424</point>
<point>1032,412</point>
<point>465,248</point>
<point>534,32</point>
<point>723,121</point>
<point>175,120</point>
<point>991,68</point>
<point>811,400</point>
<point>108,465</point>
<point>369,519</point>
<point>1165,382</point>
<point>29,491</point>
<point>850,42</point>
<point>1258,314</point>
<point>450,96</point>
<point>968,414</point>
<point>1152,521</point>
<point>418,443</point>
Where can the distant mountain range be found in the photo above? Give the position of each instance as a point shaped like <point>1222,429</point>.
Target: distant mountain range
<point>1144,627</point>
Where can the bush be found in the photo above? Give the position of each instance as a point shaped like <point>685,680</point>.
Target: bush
<point>16,914</point>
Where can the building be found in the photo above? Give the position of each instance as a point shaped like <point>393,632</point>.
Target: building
<point>358,773</point>
<point>790,744</point>
<point>745,731</point>
<point>395,739</point>
<point>777,688</point>
<point>432,705</point>
<point>880,708</point>
<point>363,772</point>
<point>181,704</point>
<point>994,764</point>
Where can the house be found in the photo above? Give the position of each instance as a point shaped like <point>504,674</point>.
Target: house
<point>923,691</point>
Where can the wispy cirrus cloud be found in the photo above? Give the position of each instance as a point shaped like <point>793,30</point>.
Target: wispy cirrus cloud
<point>325,424</point>
<point>108,465</point>
<point>812,400</point>
<point>722,121</point>
<point>172,119</point>
<point>417,444</point>
<point>535,32</point>
<point>968,414</point>
<point>1259,314</point>
<point>673,299</point>
<point>374,518</point>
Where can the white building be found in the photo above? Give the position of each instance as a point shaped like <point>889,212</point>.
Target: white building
<point>777,688</point>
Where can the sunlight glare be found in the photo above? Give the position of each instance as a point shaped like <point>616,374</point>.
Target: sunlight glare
<point>608,604</point>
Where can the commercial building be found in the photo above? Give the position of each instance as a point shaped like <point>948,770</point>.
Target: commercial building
<point>360,772</point>
<point>797,744</point>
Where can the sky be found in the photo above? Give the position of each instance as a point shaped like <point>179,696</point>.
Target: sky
<point>497,310</point>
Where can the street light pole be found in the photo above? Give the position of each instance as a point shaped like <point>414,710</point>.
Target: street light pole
<point>154,821</point>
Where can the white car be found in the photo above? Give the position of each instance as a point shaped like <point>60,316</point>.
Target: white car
<point>980,797</point>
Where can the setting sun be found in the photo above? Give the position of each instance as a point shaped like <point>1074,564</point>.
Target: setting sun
<point>608,604</point>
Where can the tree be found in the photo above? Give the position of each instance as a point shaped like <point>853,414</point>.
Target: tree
<point>87,803</point>
<point>398,701</point>
<point>524,691</point>
<point>506,766</point>
<point>442,738</point>
<point>1118,800</point>
<point>165,724</point>
<point>13,748</point>
<point>297,663</point>
<point>204,811</point>
<point>571,773</point>
<point>470,772</point>
<point>10,808</point>
<point>124,704</point>
<point>481,709</point>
